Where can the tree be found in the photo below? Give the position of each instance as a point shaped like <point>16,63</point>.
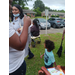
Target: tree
<point>40,4</point>
<point>38,12</point>
<point>21,2</point>
<point>26,8</point>
<point>47,8</point>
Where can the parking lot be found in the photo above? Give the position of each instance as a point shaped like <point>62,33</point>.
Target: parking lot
<point>52,30</point>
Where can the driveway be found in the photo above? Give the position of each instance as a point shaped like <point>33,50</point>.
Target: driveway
<point>52,30</point>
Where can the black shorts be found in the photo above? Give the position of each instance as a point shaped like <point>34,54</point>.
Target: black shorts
<point>21,70</point>
<point>49,66</point>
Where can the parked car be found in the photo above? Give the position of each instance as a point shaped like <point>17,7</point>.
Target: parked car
<point>64,22</point>
<point>42,23</point>
<point>56,22</point>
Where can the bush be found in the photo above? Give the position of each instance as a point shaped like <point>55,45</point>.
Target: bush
<point>44,16</point>
<point>38,13</point>
<point>55,16</point>
<point>52,15</point>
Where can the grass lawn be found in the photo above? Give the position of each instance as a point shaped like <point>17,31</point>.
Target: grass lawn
<point>35,64</point>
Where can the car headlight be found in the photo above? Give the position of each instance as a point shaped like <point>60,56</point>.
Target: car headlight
<point>42,24</point>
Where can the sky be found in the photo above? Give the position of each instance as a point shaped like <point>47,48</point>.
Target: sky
<point>53,4</point>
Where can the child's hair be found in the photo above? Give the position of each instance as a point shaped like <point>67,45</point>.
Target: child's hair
<point>35,23</point>
<point>49,44</point>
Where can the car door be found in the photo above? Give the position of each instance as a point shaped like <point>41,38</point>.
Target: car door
<point>51,20</point>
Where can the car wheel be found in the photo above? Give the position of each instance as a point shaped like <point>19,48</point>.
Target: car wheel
<point>54,25</point>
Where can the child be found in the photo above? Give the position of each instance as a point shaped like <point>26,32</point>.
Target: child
<point>35,29</point>
<point>48,55</point>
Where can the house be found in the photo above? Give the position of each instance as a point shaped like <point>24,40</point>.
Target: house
<point>29,12</point>
<point>53,13</point>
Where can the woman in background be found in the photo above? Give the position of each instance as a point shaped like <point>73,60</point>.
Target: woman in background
<point>17,17</point>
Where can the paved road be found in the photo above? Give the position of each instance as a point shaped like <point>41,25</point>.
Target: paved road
<point>52,30</point>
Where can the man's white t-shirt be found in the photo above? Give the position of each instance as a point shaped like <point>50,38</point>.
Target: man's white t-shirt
<point>28,42</point>
<point>16,57</point>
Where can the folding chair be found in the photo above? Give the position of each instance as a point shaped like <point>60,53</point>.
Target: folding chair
<point>35,39</point>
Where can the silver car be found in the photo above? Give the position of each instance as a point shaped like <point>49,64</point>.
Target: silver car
<point>42,23</point>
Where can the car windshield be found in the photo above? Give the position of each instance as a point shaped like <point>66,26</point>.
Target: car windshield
<point>58,19</point>
<point>42,20</point>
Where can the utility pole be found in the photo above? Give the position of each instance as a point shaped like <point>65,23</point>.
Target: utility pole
<point>46,13</point>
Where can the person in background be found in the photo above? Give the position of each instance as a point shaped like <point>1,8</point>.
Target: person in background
<point>63,37</point>
<point>17,22</point>
<point>48,55</point>
<point>63,34</point>
<point>63,67</point>
<point>35,29</point>
<point>17,43</point>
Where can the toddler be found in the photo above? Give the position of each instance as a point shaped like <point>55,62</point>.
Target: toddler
<point>49,59</point>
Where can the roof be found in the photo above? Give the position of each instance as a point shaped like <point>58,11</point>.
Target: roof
<point>28,11</point>
<point>54,12</point>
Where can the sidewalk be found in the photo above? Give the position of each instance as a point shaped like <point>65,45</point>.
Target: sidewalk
<point>52,30</point>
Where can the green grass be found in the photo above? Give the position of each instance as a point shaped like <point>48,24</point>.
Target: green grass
<point>35,64</point>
